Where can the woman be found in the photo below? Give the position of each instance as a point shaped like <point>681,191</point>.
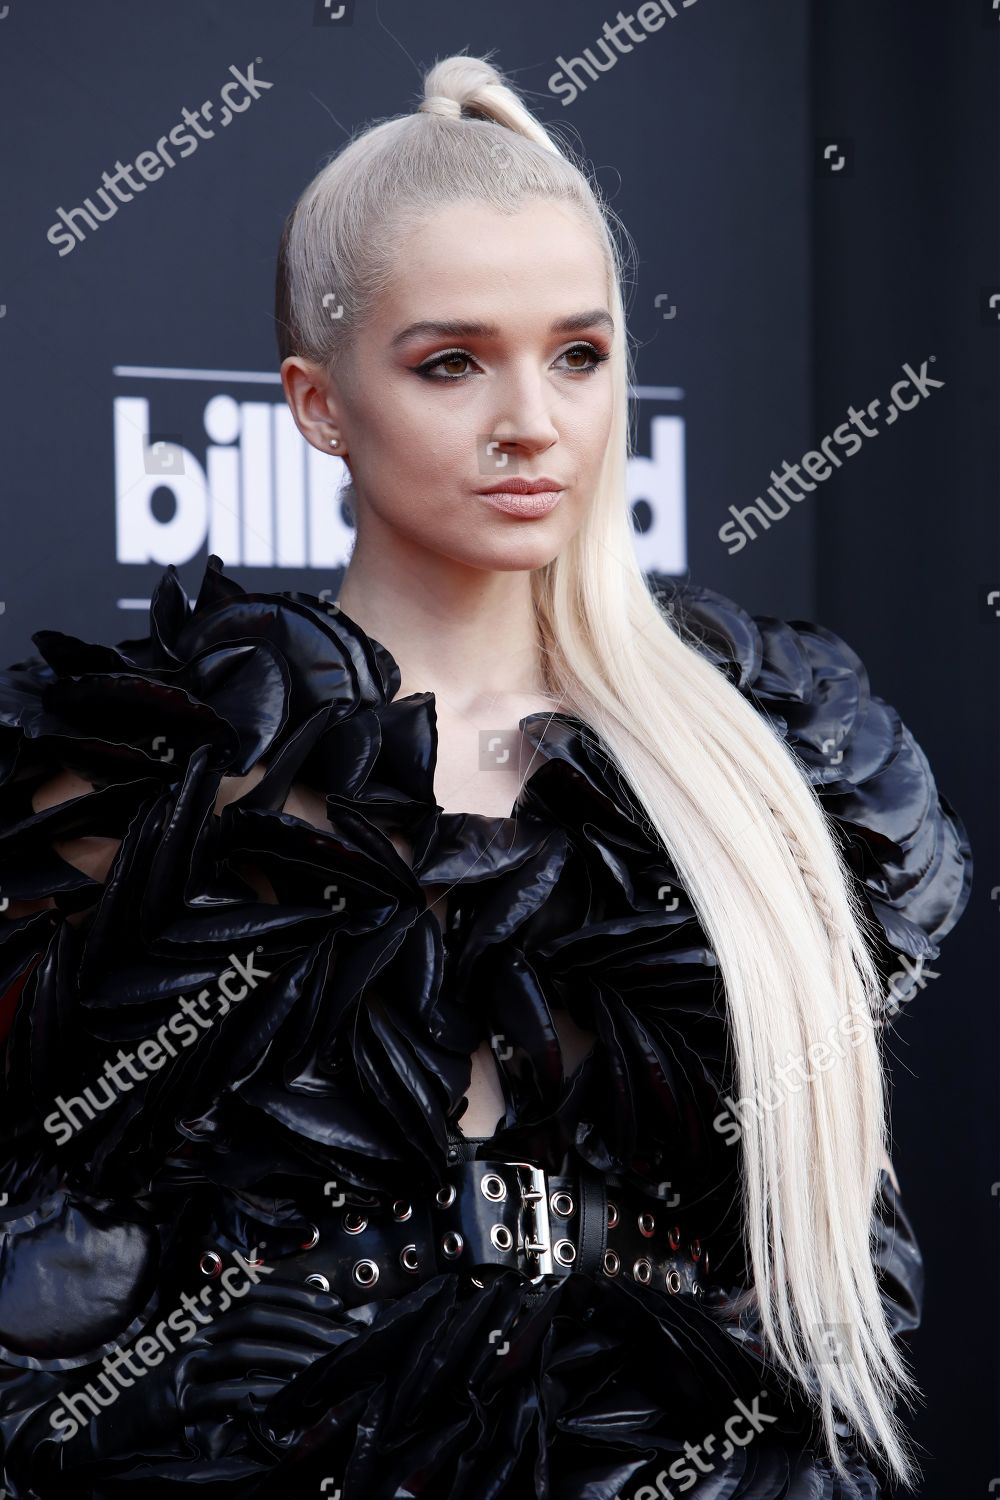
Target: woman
<point>460,1140</point>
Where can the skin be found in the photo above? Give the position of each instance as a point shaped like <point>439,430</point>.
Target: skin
<point>437,575</point>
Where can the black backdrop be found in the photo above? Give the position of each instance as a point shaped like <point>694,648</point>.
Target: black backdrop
<point>813,192</point>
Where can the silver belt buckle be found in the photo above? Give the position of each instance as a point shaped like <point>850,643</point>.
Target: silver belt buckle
<point>538,1240</point>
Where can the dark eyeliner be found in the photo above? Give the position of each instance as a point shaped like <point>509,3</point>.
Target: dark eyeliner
<point>443,358</point>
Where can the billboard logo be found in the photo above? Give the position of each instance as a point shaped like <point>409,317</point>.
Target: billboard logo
<point>255,492</point>
<point>248,487</point>
<point>656,492</point>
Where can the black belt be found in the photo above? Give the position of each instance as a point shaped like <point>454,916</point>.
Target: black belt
<point>487,1215</point>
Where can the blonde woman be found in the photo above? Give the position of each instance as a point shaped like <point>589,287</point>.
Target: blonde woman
<point>444,1024</point>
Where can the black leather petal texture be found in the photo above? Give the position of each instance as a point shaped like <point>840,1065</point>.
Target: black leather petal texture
<point>256,1015</point>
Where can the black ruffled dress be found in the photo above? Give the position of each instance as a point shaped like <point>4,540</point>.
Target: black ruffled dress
<point>333,1081</point>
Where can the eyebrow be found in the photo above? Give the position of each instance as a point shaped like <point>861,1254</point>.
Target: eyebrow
<point>457,328</point>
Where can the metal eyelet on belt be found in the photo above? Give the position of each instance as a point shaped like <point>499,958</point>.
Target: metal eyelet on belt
<point>501,1236</point>
<point>210,1264</point>
<point>408,1258</point>
<point>313,1239</point>
<point>317,1279</point>
<point>673,1280</point>
<point>674,1237</point>
<point>612,1263</point>
<point>446,1195</point>
<point>647,1224</point>
<point>562,1204</point>
<point>642,1270</point>
<point>493,1187</point>
<point>564,1252</point>
<point>401,1210</point>
<point>612,1214</point>
<point>452,1244</point>
<point>354,1222</point>
<point>365,1273</point>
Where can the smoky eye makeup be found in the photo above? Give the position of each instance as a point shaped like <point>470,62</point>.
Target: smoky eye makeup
<point>596,355</point>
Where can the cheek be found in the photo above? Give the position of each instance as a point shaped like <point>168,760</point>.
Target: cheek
<point>584,438</point>
<point>421,436</point>
<point>591,423</point>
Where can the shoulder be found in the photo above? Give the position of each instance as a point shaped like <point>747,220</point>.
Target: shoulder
<point>902,839</point>
<point>97,739</point>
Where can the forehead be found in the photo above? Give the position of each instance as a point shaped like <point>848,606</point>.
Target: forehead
<point>471,259</point>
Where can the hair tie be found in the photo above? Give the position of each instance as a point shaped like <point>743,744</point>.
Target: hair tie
<point>441,104</point>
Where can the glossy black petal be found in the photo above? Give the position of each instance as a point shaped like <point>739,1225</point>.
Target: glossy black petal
<point>346,1058</point>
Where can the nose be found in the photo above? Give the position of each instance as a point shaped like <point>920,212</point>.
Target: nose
<point>522,418</point>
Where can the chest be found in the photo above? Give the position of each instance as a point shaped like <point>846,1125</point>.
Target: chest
<point>482,763</point>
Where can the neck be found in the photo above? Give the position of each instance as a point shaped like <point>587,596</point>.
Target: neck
<point>467,635</point>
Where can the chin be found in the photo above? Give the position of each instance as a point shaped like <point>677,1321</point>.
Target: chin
<point>519,545</point>
<point>522,556</point>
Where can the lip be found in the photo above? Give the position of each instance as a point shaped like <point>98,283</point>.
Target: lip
<point>518,496</point>
<point>518,485</point>
<point>535,503</point>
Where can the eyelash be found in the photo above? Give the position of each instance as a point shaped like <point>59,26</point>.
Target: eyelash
<point>450,354</point>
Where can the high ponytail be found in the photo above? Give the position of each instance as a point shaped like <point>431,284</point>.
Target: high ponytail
<point>473,88</point>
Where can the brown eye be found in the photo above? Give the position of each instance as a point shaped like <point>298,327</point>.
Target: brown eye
<point>450,357</point>
<point>454,359</point>
<point>594,356</point>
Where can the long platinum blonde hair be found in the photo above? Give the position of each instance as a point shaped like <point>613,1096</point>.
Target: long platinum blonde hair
<point>727,798</point>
